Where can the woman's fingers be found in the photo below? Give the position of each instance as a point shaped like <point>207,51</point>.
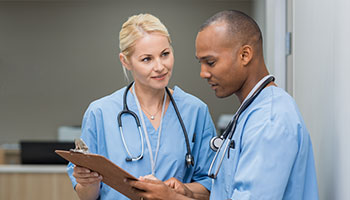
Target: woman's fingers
<point>81,170</point>
<point>85,176</point>
<point>87,181</point>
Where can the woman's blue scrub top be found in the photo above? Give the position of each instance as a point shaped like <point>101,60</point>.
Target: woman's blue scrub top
<point>100,131</point>
<point>273,157</point>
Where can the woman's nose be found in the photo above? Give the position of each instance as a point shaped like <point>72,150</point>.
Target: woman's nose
<point>158,65</point>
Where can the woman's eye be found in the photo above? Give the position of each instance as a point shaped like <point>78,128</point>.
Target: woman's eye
<point>165,53</point>
<point>146,59</point>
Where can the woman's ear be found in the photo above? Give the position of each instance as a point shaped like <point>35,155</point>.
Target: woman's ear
<point>124,61</point>
<point>246,54</point>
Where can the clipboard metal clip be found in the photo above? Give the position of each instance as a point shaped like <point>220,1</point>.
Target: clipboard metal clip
<point>80,146</point>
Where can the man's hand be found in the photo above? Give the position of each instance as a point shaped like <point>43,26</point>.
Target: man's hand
<point>179,187</point>
<point>151,189</point>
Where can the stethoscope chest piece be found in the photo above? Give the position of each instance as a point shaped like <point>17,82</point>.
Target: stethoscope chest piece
<point>216,142</point>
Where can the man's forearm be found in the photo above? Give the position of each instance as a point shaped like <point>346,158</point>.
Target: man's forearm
<point>198,191</point>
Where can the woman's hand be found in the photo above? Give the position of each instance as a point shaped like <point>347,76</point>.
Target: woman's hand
<point>88,186</point>
<point>86,177</point>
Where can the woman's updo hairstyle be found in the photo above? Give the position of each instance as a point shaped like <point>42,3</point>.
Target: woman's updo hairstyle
<point>135,28</point>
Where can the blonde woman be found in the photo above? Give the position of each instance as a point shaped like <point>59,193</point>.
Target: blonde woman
<point>147,128</point>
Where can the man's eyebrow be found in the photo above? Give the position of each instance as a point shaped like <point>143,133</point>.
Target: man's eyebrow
<point>204,58</point>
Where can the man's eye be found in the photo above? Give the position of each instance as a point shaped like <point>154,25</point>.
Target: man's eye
<point>146,59</point>
<point>210,63</point>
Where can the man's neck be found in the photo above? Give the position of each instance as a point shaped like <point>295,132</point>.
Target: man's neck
<point>249,84</point>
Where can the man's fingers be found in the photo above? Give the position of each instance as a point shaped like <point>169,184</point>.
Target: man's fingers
<point>146,180</point>
<point>150,176</point>
<point>170,183</point>
<point>143,184</point>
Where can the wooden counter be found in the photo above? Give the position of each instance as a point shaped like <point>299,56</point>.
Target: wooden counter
<point>35,182</point>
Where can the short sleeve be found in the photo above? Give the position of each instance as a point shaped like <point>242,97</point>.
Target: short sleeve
<point>88,135</point>
<point>204,154</point>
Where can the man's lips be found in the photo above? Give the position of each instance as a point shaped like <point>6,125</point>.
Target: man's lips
<point>213,85</point>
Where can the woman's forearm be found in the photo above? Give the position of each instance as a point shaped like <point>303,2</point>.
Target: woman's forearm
<point>89,192</point>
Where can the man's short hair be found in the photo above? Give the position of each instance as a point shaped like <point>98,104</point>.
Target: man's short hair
<point>239,25</point>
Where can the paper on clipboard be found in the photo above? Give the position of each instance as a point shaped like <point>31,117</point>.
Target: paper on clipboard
<point>112,174</point>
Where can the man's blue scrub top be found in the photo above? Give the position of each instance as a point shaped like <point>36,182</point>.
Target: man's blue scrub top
<point>100,131</point>
<point>273,157</point>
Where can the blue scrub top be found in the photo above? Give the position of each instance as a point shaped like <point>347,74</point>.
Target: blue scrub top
<point>100,131</point>
<point>273,157</point>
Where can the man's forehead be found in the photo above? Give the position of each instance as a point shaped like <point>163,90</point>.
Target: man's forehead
<point>215,34</point>
<point>216,29</point>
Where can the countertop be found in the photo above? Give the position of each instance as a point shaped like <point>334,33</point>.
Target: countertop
<point>33,168</point>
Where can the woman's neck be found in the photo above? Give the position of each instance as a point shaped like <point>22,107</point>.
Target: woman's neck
<point>150,99</point>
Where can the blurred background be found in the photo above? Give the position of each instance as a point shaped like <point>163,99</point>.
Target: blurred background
<point>56,56</point>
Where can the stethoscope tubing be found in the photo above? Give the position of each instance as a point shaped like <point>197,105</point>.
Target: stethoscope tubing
<point>189,158</point>
<point>127,111</point>
<point>231,127</point>
<point>131,158</point>
<point>189,161</point>
<point>221,160</point>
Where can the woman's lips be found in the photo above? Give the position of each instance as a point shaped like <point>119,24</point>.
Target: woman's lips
<point>160,77</point>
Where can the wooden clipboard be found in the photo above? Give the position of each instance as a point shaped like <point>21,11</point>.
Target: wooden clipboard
<point>112,174</point>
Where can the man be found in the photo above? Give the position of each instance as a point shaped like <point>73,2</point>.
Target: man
<point>272,157</point>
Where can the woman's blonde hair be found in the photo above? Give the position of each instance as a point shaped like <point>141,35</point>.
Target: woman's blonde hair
<point>135,28</point>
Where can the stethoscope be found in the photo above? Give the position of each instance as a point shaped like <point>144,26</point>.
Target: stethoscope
<point>216,142</point>
<point>188,158</point>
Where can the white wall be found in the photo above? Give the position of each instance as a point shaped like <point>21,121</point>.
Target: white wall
<point>321,88</point>
<point>275,50</point>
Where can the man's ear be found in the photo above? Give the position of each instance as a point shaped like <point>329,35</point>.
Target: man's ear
<point>246,54</point>
<point>124,61</point>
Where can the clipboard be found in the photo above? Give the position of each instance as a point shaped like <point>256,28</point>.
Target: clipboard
<point>112,174</point>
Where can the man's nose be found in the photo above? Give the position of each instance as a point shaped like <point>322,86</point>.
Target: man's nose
<point>204,73</point>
